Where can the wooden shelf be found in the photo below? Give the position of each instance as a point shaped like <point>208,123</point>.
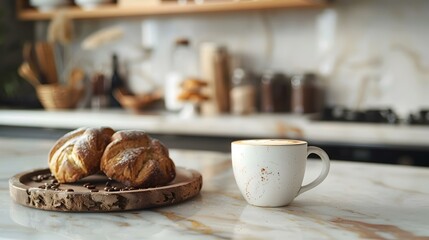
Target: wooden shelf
<point>114,11</point>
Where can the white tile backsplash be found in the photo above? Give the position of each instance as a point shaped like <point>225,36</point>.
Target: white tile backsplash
<point>383,42</point>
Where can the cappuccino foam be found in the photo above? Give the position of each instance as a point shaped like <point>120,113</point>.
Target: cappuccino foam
<point>270,142</point>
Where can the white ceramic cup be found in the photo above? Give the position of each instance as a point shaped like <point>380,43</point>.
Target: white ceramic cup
<point>269,172</point>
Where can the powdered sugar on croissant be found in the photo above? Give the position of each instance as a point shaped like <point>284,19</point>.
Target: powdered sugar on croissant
<point>135,159</point>
<point>78,153</point>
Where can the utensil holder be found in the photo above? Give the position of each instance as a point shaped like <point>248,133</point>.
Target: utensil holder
<point>55,96</point>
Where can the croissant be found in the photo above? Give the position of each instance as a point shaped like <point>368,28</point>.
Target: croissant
<point>135,159</point>
<point>77,154</point>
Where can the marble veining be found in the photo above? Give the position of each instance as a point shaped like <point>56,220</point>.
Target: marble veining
<point>356,201</point>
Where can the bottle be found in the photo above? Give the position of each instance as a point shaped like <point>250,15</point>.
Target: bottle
<point>243,93</point>
<point>115,82</point>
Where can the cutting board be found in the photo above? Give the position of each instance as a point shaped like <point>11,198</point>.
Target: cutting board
<point>91,194</point>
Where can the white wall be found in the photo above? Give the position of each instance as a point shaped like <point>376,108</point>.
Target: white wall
<point>383,42</point>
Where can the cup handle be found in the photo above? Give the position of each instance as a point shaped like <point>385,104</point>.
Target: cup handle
<point>325,170</point>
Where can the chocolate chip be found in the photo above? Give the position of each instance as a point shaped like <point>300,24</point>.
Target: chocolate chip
<point>94,190</point>
<point>54,181</point>
<point>42,186</point>
<point>70,190</point>
<point>107,188</point>
<point>116,188</point>
<point>90,186</point>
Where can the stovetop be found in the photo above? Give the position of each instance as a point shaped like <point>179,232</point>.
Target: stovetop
<point>382,115</point>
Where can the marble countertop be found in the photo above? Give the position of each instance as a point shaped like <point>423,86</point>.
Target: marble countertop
<point>356,201</point>
<point>259,125</point>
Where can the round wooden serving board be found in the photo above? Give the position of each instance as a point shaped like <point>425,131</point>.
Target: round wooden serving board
<point>25,190</point>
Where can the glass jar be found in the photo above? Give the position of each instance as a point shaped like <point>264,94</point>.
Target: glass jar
<point>306,94</point>
<point>183,65</point>
<point>275,92</point>
<point>243,93</point>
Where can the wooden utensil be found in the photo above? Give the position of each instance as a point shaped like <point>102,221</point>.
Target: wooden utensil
<point>76,76</point>
<point>26,52</point>
<point>29,56</point>
<point>61,29</point>
<point>46,58</point>
<point>27,73</point>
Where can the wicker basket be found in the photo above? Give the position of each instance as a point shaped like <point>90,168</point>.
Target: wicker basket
<point>54,96</point>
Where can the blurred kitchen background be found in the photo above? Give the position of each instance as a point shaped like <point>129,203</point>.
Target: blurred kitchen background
<point>350,76</point>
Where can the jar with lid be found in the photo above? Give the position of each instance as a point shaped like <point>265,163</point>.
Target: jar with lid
<point>306,93</point>
<point>183,65</point>
<point>275,92</point>
<point>243,93</point>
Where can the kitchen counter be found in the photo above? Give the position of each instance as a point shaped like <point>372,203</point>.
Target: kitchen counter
<point>258,125</point>
<point>356,201</point>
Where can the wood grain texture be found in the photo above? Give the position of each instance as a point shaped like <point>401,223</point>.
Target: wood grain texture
<point>25,191</point>
<point>112,11</point>
<point>46,59</point>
